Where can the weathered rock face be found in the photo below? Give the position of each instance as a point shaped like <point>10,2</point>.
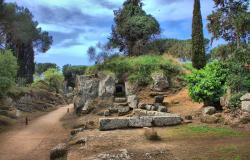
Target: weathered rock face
<point>139,122</point>
<point>88,107</point>
<point>133,101</point>
<point>107,87</point>
<point>130,88</point>
<point>160,82</point>
<point>87,88</point>
<point>113,123</point>
<point>245,102</point>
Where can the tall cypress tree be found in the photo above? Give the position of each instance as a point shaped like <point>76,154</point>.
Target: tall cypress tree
<point>198,48</point>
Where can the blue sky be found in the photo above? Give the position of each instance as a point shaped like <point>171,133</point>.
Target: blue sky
<point>77,24</point>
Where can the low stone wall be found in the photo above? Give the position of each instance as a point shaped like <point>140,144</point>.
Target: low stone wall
<point>138,122</point>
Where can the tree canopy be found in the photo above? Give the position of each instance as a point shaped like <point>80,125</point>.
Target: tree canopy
<point>20,33</point>
<point>230,20</point>
<point>133,28</point>
<point>198,48</point>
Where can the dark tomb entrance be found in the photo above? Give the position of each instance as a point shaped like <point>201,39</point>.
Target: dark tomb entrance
<point>120,90</point>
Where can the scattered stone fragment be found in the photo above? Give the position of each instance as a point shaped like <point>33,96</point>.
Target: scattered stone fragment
<point>209,110</point>
<point>159,99</point>
<point>188,117</point>
<point>58,151</point>
<point>162,109</point>
<point>210,119</point>
<point>81,141</point>
<point>123,111</point>
<point>75,131</point>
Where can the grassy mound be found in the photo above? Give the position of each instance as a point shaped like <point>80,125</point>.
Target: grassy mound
<point>139,69</point>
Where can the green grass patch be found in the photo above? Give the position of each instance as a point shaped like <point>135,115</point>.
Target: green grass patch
<point>202,131</point>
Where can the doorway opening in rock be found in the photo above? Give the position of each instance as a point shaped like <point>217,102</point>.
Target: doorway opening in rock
<point>120,90</point>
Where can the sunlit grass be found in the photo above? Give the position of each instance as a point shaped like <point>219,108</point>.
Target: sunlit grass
<point>200,131</point>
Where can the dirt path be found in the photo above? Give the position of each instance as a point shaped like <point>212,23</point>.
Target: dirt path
<point>34,141</point>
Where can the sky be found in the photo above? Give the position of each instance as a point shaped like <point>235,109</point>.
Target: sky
<point>78,24</point>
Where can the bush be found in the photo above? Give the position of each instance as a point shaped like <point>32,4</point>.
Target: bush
<point>8,71</point>
<point>151,134</point>
<point>208,85</point>
<point>52,81</point>
<point>54,78</point>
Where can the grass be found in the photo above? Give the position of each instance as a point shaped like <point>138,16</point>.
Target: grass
<point>139,69</point>
<point>202,131</point>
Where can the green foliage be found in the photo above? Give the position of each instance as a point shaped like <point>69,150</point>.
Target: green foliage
<point>207,85</point>
<point>230,20</point>
<point>133,28</point>
<point>239,75</point>
<point>52,81</point>
<point>70,73</point>
<point>8,71</point>
<point>42,67</point>
<point>198,48</point>
<point>138,69</point>
<point>54,78</point>
<point>21,34</point>
<point>222,52</point>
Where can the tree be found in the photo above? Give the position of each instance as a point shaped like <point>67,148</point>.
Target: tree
<point>230,20</point>
<point>133,28</point>
<point>8,70</point>
<point>101,52</point>
<point>42,67</point>
<point>198,48</point>
<point>22,35</point>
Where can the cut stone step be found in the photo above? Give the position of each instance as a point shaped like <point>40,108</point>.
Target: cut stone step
<point>121,104</point>
<point>139,122</point>
<point>120,99</point>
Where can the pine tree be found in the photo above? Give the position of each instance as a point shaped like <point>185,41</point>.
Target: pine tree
<point>198,48</point>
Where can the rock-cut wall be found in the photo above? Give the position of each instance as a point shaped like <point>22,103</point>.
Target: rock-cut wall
<point>88,88</point>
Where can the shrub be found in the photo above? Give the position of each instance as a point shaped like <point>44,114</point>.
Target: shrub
<point>54,78</point>
<point>8,70</point>
<point>151,134</point>
<point>207,85</point>
<point>52,81</point>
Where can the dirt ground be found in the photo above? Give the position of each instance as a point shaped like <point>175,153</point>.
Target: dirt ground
<point>194,141</point>
<point>33,142</point>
